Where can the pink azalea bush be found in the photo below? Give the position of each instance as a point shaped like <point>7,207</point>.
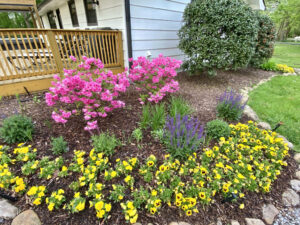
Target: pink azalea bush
<point>154,76</point>
<point>93,91</point>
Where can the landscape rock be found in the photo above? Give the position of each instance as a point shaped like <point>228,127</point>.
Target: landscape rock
<point>297,157</point>
<point>297,175</point>
<point>7,210</point>
<point>295,184</point>
<point>234,222</point>
<point>137,224</point>
<point>28,217</point>
<point>264,125</point>
<point>250,113</point>
<point>290,145</point>
<point>183,223</point>
<point>297,70</point>
<point>269,213</point>
<point>219,221</point>
<point>290,198</point>
<point>173,223</point>
<point>251,221</point>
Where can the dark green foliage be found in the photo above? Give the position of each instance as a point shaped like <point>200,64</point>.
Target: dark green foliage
<point>265,41</point>
<point>218,34</point>
<point>269,66</point>
<point>59,145</point>
<point>217,128</point>
<point>105,143</point>
<point>16,129</point>
<point>179,106</point>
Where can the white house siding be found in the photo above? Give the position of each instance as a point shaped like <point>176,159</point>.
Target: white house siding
<point>110,13</point>
<point>154,27</point>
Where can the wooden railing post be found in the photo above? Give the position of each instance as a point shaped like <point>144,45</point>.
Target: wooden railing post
<point>55,51</point>
<point>120,49</point>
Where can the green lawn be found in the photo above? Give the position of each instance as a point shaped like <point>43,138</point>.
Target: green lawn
<point>279,100</point>
<point>287,54</point>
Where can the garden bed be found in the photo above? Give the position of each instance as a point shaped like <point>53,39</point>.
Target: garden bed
<point>200,92</point>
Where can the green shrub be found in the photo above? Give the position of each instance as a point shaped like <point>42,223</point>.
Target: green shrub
<point>269,66</point>
<point>16,128</point>
<point>218,34</point>
<point>105,143</point>
<point>265,41</point>
<point>217,128</point>
<point>153,116</point>
<point>179,106</point>
<point>59,145</point>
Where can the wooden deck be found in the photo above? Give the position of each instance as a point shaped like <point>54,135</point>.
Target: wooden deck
<point>29,56</point>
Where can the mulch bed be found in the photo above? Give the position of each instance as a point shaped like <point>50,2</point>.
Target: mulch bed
<point>200,91</point>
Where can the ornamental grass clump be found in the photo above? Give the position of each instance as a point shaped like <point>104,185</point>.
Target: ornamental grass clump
<point>183,135</point>
<point>92,92</point>
<point>154,77</point>
<point>230,106</point>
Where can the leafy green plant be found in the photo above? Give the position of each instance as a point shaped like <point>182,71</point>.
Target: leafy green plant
<point>146,117</point>
<point>218,34</point>
<point>269,66</point>
<point>16,128</point>
<point>153,116</point>
<point>59,145</point>
<point>217,128</point>
<point>105,143</point>
<point>137,134</point>
<point>179,106</point>
<point>158,134</point>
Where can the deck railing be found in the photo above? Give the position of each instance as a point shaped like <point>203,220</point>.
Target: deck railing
<point>34,52</point>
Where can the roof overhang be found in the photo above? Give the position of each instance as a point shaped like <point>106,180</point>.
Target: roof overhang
<point>17,5</point>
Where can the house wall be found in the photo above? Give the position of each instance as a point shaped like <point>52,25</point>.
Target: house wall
<point>155,25</point>
<point>110,13</point>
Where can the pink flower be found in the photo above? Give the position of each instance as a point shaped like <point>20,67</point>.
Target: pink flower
<point>95,93</point>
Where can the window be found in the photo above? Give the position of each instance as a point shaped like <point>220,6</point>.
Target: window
<point>59,19</point>
<point>51,19</point>
<point>90,12</point>
<point>73,13</point>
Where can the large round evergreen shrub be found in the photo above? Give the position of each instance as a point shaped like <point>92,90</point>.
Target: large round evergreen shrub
<point>265,40</point>
<point>218,34</point>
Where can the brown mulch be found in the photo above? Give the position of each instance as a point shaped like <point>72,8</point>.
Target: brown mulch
<point>200,91</point>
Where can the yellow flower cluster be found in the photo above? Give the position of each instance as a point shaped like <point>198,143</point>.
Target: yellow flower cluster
<point>249,160</point>
<point>130,211</point>
<point>37,194</point>
<point>102,209</point>
<point>77,204</point>
<point>285,68</point>
<point>24,153</point>
<point>56,199</point>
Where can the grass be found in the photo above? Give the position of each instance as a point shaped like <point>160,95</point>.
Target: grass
<point>287,54</point>
<point>279,100</point>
